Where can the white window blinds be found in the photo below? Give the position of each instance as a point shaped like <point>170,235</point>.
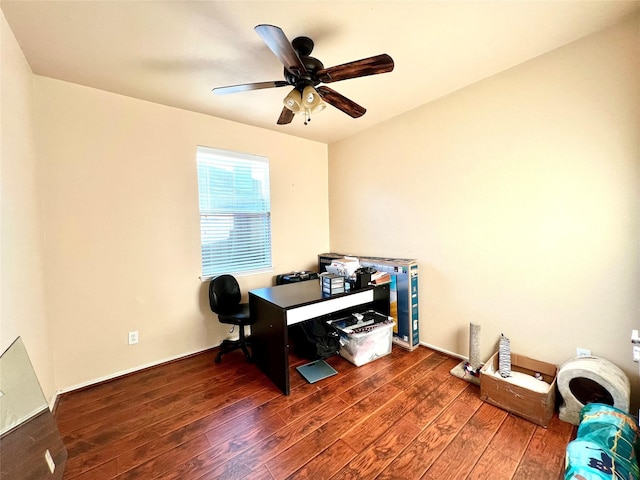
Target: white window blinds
<point>235,212</point>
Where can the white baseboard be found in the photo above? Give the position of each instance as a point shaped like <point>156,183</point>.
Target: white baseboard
<point>446,352</point>
<point>112,376</point>
<point>121,373</point>
<point>54,400</point>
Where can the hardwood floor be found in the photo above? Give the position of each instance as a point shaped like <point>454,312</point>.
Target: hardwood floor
<point>403,416</point>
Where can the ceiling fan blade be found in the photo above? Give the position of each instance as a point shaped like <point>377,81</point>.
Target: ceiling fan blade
<point>341,102</point>
<point>285,116</point>
<point>360,68</point>
<point>248,86</point>
<point>280,45</point>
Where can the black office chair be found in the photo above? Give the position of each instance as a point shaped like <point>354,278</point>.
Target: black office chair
<point>224,299</point>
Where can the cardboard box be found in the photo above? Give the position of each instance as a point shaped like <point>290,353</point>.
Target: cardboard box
<point>537,407</point>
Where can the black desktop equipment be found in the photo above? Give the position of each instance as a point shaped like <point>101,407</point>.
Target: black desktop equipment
<point>294,277</point>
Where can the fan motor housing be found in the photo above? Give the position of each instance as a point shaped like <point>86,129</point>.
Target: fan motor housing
<point>303,46</point>
<point>313,65</point>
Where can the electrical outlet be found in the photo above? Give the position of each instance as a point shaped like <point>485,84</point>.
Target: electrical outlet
<point>133,337</point>
<point>582,352</point>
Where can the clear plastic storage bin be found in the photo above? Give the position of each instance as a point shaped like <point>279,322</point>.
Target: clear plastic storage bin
<point>364,336</point>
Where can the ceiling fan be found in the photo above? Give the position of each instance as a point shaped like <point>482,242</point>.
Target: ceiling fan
<point>305,73</point>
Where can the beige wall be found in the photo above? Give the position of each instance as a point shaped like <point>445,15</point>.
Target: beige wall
<point>22,298</point>
<point>100,228</point>
<point>518,196</point>
<point>118,179</point>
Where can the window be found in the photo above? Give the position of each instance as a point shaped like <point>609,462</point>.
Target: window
<point>235,212</point>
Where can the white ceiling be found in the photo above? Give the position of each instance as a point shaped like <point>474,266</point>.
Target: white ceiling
<point>175,52</point>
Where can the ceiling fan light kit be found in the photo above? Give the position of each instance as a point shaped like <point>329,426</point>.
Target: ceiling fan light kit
<point>311,99</point>
<point>305,73</point>
<point>293,101</point>
<point>307,102</point>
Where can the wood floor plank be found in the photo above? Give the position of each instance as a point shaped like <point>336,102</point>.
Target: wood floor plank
<point>162,463</point>
<point>544,457</point>
<point>313,444</point>
<point>389,373</point>
<point>87,439</point>
<point>152,440</point>
<point>96,449</point>
<point>501,458</point>
<point>402,416</point>
<point>513,437</point>
<point>219,424</point>
<point>428,407</point>
<point>370,385</point>
<point>350,376</point>
<point>261,473</point>
<point>105,471</point>
<point>151,376</point>
<point>368,464</point>
<point>298,394</point>
<point>261,453</point>
<point>320,393</point>
<point>426,448</point>
<point>222,451</point>
<point>493,464</point>
<point>364,434</point>
<point>133,420</point>
<point>326,464</point>
<point>117,404</point>
<point>420,369</point>
<point>73,466</point>
<point>296,404</point>
<point>462,454</point>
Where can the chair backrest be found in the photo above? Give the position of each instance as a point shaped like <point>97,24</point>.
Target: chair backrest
<point>224,294</point>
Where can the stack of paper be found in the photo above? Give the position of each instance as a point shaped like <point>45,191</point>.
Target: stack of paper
<point>345,267</point>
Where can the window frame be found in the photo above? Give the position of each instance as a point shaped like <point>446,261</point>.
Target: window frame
<point>234,200</point>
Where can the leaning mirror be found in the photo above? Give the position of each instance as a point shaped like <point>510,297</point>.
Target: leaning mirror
<point>30,443</point>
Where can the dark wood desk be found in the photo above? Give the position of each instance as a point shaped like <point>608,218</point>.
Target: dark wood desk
<point>274,309</point>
